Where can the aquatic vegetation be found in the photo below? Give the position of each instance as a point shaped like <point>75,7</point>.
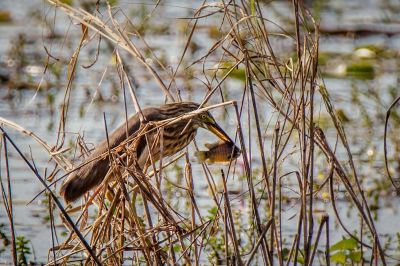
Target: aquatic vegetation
<point>3,238</point>
<point>364,70</point>
<point>346,251</point>
<point>310,168</point>
<point>23,250</point>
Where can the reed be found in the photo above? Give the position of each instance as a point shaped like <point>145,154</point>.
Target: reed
<point>131,218</point>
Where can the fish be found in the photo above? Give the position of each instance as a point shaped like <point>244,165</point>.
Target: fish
<point>218,152</point>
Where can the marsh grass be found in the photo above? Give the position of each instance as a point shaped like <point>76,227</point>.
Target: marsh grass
<point>132,216</point>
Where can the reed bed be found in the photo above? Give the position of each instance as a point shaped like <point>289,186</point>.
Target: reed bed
<point>129,219</point>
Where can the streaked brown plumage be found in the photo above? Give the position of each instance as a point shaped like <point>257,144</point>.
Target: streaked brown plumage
<point>175,138</point>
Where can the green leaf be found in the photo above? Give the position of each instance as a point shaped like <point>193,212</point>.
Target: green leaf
<point>339,257</point>
<point>355,256</point>
<point>68,2</point>
<point>236,73</point>
<point>239,74</point>
<point>177,248</point>
<point>285,253</point>
<point>345,244</point>
<point>252,7</point>
<point>213,211</point>
<point>300,258</point>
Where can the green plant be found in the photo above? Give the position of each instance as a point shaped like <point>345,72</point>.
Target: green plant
<point>3,236</point>
<point>22,250</point>
<point>345,251</point>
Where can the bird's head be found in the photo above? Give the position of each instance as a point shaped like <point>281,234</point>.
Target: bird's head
<point>207,121</point>
<point>204,120</point>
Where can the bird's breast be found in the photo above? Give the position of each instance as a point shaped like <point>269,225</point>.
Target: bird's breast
<point>174,138</point>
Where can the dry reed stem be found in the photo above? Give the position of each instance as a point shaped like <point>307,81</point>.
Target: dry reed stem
<point>290,87</point>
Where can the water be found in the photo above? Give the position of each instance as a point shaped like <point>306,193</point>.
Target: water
<point>31,108</point>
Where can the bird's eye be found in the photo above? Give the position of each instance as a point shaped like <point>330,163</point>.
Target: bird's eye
<point>203,117</point>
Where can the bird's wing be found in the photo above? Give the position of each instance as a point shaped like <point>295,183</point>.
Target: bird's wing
<point>93,173</point>
<point>119,135</point>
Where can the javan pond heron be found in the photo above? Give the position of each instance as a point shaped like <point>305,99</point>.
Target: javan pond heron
<point>176,136</point>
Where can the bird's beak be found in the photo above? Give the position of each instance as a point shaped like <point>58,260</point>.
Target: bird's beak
<point>219,132</point>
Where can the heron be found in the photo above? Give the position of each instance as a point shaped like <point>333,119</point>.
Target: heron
<point>176,136</point>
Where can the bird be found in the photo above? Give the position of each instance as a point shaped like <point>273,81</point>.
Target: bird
<point>176,136</point>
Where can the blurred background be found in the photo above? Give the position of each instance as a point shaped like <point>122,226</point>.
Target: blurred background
<point>359,60</point>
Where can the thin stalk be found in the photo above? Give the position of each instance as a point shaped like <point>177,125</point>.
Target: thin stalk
<point>323,222</point>
<point>231,222</point>
<point>8,202</point>
<point>57,202</point>
<point>251,187</point>
<point>327,255</point>
<point>267,226</point>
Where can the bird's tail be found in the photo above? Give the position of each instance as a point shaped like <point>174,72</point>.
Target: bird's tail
<point>84,179</point>
<point>201,156</point>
